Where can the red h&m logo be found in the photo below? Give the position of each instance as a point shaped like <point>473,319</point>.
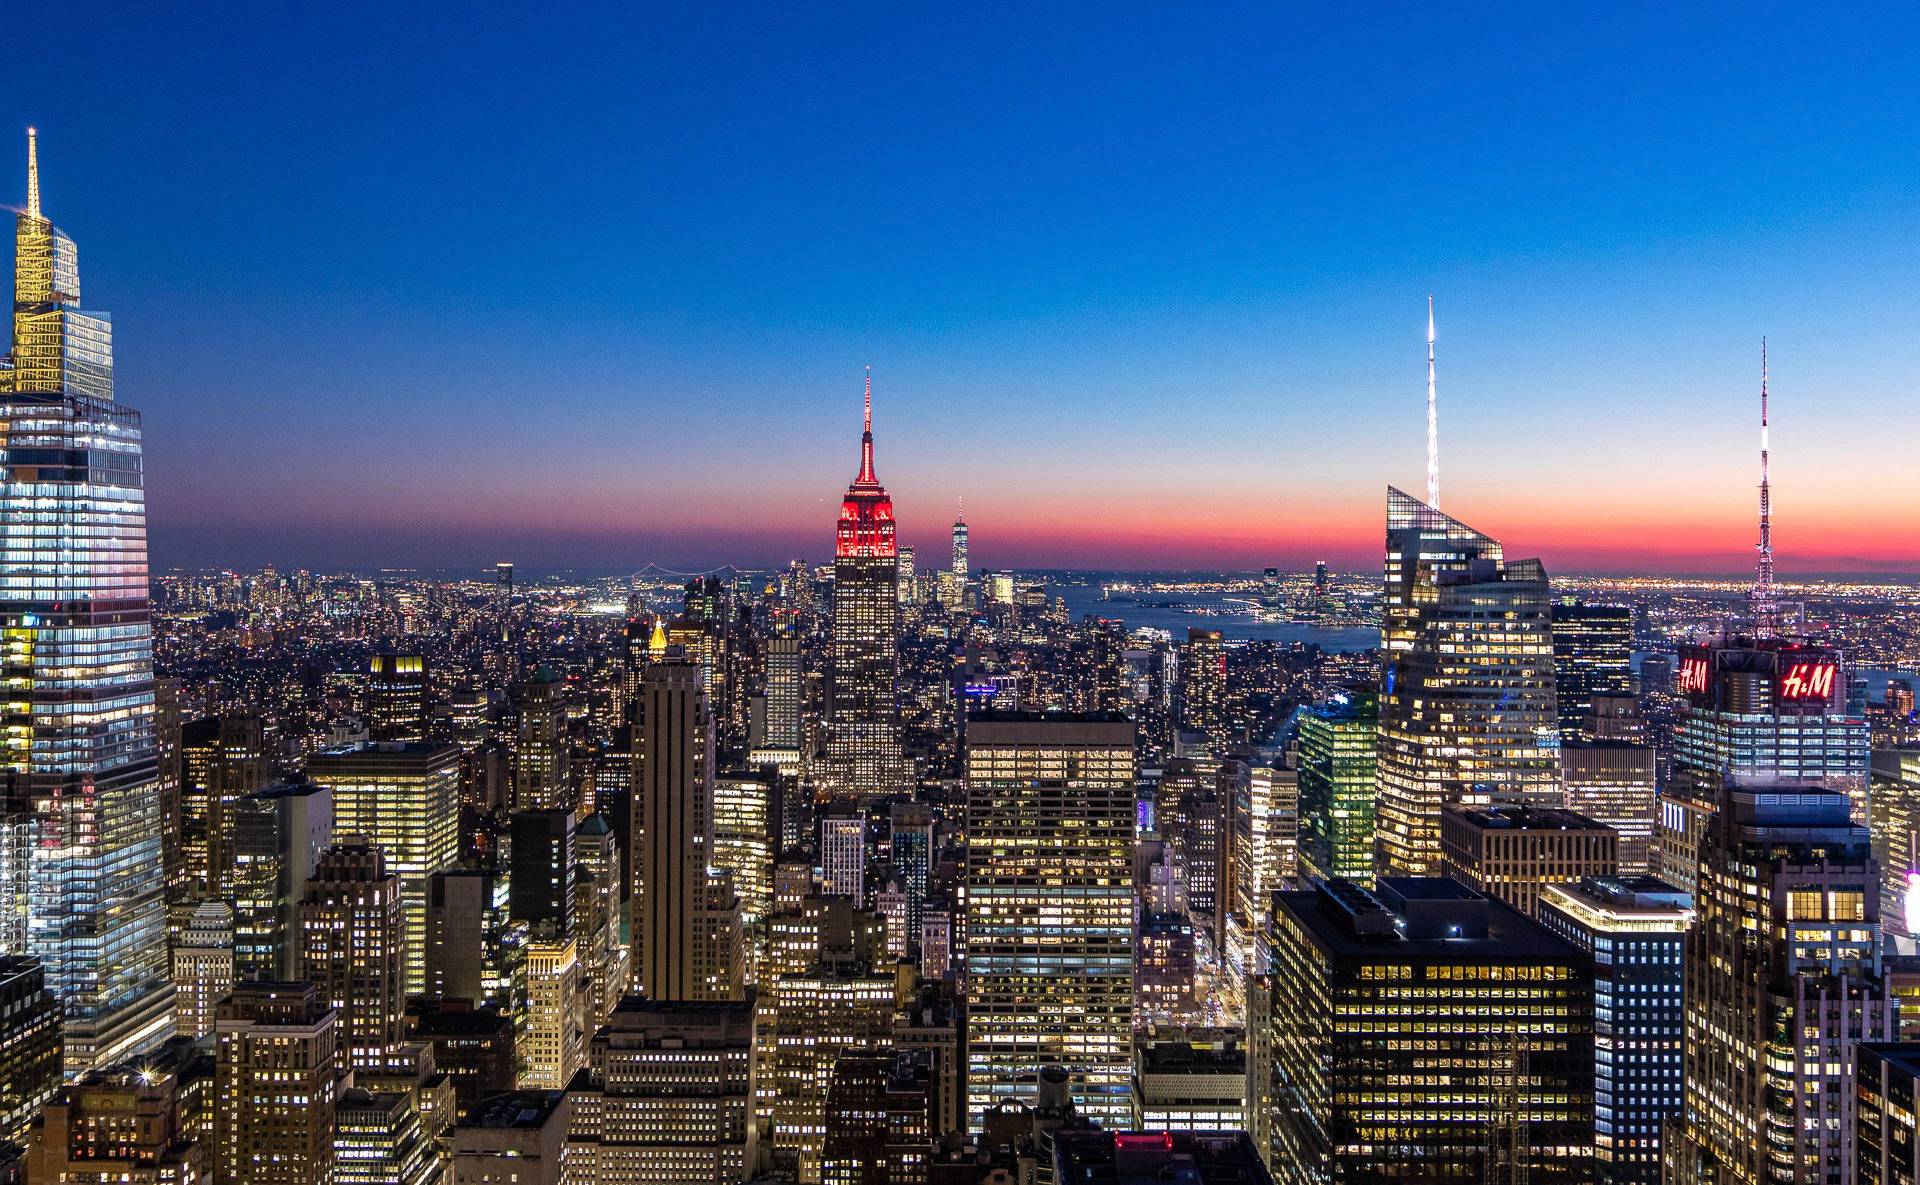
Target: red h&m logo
<point>1693,676</point>
<point>1808,680</point>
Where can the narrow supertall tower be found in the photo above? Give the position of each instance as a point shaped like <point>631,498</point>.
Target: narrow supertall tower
<point>1762,600</point>
<point>1433,419</point>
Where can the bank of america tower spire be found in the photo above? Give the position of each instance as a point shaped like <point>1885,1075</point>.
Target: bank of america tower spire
<point>864,754</point>
<point>80,839</point>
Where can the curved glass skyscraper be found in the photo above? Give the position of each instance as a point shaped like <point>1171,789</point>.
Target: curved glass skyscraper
<point>81,864</point>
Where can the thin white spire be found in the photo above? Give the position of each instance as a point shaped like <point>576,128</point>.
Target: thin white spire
<point>33,174</point>
<point>1433,419</point>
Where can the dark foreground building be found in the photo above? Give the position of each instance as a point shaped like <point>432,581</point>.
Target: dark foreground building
<point>1417,1033</point>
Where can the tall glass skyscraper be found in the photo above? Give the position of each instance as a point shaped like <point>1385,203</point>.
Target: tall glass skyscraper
<point>1467,693</point>
<point>81,862</point>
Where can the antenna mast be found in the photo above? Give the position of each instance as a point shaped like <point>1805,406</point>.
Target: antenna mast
<point>1433,419</point>
<point>1765,611</point>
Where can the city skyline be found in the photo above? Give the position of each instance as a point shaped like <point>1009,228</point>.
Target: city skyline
<point>1196,347</point>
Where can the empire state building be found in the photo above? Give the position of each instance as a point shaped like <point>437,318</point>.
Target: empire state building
<point>864,754</point>
<point>80,870</point>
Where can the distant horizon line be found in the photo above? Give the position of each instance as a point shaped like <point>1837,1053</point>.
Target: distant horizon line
<point>603,572</point>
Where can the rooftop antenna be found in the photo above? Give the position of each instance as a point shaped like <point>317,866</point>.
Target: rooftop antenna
<point>1433,419</point>
<point>866,436</point>
<point>1764,609</point>
<point>33,174</point>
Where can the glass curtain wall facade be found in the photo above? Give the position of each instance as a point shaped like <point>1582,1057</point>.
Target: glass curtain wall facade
<point>84,878</point>
<point>1467,709</point>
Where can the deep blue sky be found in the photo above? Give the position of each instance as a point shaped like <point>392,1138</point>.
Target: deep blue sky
<point>1145,283</point>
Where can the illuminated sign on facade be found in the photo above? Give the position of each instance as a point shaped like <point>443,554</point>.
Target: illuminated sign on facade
<point>1695,675</point>
<point>1808,681</point>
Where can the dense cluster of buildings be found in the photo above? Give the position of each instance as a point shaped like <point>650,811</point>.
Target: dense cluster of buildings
<point>865,873</point>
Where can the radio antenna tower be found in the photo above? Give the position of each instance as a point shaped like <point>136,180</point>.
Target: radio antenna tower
<point>1765,610</point>
<point>1433,419</point>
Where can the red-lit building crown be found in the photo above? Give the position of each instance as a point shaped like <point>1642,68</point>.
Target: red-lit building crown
<point>866,514</point>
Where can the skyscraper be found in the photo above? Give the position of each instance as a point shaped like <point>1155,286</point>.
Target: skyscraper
<point>1467,695</point>
<point>1783,976</point>
<point>1049,909</point>
<point>675,1093</point>
<point>397,697</point>
<point>552,1038</point>
<point>542,758</point>
<point>1592,655</point>
<point>843,857</point>
<point>953,582</point>
<point>76,652</point>
<point>351,940</point>
<point>685,920</point>
<point>1203,682</point>
<point>222,760</point>
<point>864,754</point>
<point>1768,709</point>
<point>279,834</point>
<point>1415,1032</point>
<point>1338,741</point>
<point>1634,928</point>
<point>404,798</point>
<point>29,1046</point>
<point>276,1084</point>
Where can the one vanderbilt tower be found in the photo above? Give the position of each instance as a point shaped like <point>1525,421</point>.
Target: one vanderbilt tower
<point>80,854</point>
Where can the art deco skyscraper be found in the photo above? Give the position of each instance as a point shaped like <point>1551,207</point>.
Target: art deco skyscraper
<point>1049,901</point>
<point>80,854</point>
<point>864,755</point>
<point>686,930</point>
<point>1467,694</point>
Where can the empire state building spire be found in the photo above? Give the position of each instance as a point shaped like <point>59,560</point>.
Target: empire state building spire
<point>866,477</point>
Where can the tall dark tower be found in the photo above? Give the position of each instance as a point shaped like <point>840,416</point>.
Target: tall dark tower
<point>864,755</point>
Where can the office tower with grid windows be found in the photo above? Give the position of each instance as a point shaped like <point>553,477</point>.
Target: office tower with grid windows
<point>278,1072</point>
<point>1421,1031</point>
<point>1592,656</point>
<point>82,882</point>
<point>1049,909</point>
<point>1635,928</point>
<point>1203,682</point>
<point>1467,694</point>
<point>671,1092</point>
<point>29,1046</point>
<point>1513,852</point>
<point>397,697</point>
<point>404,798</point>
<point>351,937</point>
<point>223,759</point>
<point>1783,976</point>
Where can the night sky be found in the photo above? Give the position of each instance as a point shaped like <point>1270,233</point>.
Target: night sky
<point>1146,284</point>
